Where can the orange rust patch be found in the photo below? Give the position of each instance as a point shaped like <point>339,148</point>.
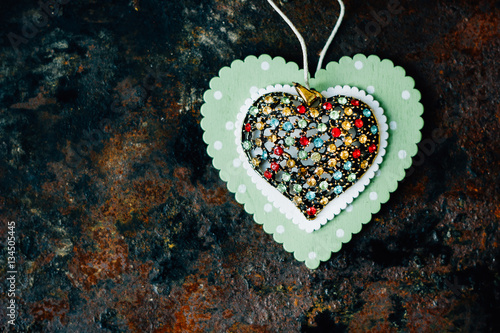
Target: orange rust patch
<point>49,309</point>
<point>34,103</point>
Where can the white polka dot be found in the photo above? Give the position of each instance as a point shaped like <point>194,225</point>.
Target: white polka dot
<point>370,89</point>
<point>229,125</point>
<point>393,125</point>
<point>218,95</point>
<point>218,145</point>
<point>312,255</point>
<point>406,95</point>
<point>265,66</point>
<point>358,65</point>
<point>340,233</point>
<point>402,154</point>
<point>236,162</point>
<point>373,196</point>
<point>268,207</point>
<point>280,229</point>
<point>254,90</point>
<point>242,188</point>
<point>349,209</point>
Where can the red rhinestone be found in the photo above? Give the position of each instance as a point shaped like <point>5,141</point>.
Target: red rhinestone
<point>278,151</point>
<point>355,102</point>
<point>336,132</point>
<point>248,127</point>
<point>311,211</point>
<point>372,148</point>
<point>327,106</point>
<point>268,174</point>
<point>356,153</point>
<point>358,123</point>
<point>275,166</point>
<point>304,141</point>
<point>301,109</point>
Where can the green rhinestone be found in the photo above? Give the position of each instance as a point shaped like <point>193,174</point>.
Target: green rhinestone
<point>351,177</point>
<point>281,188</point>
<point>247,145</point>
<point>289,141</point>
<point>302,123</point>
<point>342,100</point>
<point>297,188</point>
<point>303,154</point>
<point>286,177</point>
<point>334,115</point>
<point>254,110</point>
<point>285,100</point>
<point>323,185</point>
<point>316,157</point>
<point>322,127</point>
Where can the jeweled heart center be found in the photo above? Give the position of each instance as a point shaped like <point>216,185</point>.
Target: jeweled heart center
<point>311,154</point>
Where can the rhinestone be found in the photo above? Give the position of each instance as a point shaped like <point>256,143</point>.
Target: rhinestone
<point>269,99</point>
<point>316,157</point>
<point>272,138</point>
<point>290,163</point>
<point>363,139</point>
<point>286,177</point>
<point>301,109</point>
<point>311,181</point>
<point>311,211</point>
<point>297,188</point>
<point>319,171</point>
<point>286,111</point>
<point>297,200</point>
<point>304,141</point>
<point>332,148</point>
<point>334,115</point>
<point>374,129</point>
<point>253,110</point>
<point>348,111</point>
<point>346,125</point>
<point>274,122</point>
<point>336,132</point>
<point>275,166</point>
<point>332,162</point>
<point>302,123</point>
<point>323,185</point>
<point>358,123</point>
<point>372,149</point>
<point>314,113</point>
<point>364,164</point>
<point>351,177</point>
<point>264,155</point>
<point>267,110</point>
<point>258,142</point>
<point>285,100</point>
<point>347,165</point>
<point>337,189</point>
<point>248,127</point>
<point>255,161</point>
<point>303,154</point>
<point>356,153</point>
<point>310,195</point>
<point>287,126</point>
<point>324,201</point>
<point>318,142</point>
<point>247,145</point>
<point>281,188</point>
<point>322,127</point>
<point>259,126</point>
<point>337,175</point>
<point>367,113</point>
<point>302,172</point>
<point>344,155</point>
<point>278,151</point>
<point>289,141</point>
<point>348,141</point>
<point>327,106</point>
<point>342,100</point>
<point>268,174</point>
<point>355,102</point>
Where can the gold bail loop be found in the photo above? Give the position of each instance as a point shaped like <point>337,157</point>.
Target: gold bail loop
<point>308,95</point>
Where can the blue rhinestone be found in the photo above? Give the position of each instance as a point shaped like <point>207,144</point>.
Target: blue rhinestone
<point>274,122</point>
<point>318,142</point>
<point>367,112</point>
<point>374,129</point>
<point>287,126</point>
<point>338,189</point>
<point>310,195</point>
<point>264,155</point>
<point>337,175</point>
<point>347,165</point>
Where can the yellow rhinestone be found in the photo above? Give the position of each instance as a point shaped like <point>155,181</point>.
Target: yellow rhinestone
<point>258,142</point>
<point>323,201</point>
<point>302,172</point>
<point>332,148</point>
<point>287,111</point>
<point>255,161</point>
<point>344,155</point>
<point>348,141</point>
<point>290,163</point>
<point>269,99</point>
<point>311,181</point>
<point>346,125</point>
<point>273,138</point>
<point>297,200</point>
<point>267,110</point>
<point>364,164</point>
<point>363,139</point>
<point>332,162</point>
<point>259,126</point>
<point>319,171</point>
<point>314,112</point>
<point>348,111</point>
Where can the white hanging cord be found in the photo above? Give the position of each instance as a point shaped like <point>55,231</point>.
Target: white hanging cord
<point>303,43</point>
<point>299,37</point>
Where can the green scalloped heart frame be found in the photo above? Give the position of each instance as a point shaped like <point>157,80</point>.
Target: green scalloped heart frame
<point>387,83</point>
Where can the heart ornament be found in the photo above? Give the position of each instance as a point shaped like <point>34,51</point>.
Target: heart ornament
<point>312,166</point>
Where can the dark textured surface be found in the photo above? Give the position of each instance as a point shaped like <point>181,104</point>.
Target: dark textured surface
<point>123,225</point>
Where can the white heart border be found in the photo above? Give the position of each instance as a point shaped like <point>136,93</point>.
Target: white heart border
<point>336,206</point>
